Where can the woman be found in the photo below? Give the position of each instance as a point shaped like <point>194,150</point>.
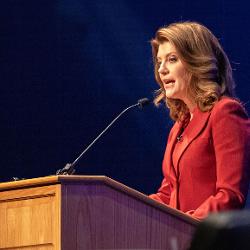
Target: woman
<point>206,162</point>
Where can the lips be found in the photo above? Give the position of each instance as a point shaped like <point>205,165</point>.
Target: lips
<point>168,81</point>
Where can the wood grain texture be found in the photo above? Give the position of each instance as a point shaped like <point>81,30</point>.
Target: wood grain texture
<point>29,218</point>
<point>41,181</point>
<point>36,247</point>
<point>87,212</point>
<point>96,216</point>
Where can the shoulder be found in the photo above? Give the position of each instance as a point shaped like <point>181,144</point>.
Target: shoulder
<point>229,117</point>
<point>228,106</point>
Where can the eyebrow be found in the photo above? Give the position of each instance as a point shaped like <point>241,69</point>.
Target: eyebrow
<point>167,55</point>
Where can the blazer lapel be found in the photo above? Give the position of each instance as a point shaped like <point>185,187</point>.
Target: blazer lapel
<point>195,127</point>
<point>197,124</point>
<point>169,151</point>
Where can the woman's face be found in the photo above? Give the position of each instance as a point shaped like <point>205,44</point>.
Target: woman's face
<point>172,72</point>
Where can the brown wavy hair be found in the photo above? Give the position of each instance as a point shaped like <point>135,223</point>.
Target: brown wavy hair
<point>205,60</point>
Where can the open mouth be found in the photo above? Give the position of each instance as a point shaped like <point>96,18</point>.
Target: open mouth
<point>168,82</point>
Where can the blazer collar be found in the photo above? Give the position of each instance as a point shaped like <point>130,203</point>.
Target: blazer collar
<point>192,131</point>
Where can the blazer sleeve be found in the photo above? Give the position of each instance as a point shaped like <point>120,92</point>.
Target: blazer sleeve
<point>231,137</point>
<point>163,193</point>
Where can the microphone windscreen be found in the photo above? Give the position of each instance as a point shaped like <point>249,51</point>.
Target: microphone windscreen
<point>143,102</point>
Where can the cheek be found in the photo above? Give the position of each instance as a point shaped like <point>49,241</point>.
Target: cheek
<point>184,78</point>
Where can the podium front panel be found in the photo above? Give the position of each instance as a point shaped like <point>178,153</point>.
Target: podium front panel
<point>29,218</point>
<point>97,216</point>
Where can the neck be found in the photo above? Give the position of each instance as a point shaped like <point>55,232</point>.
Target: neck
<point>191,107</point>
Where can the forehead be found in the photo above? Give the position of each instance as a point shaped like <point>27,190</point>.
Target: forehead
<point>165,49</point>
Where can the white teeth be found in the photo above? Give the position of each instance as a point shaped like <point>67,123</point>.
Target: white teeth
<point>171,82</point>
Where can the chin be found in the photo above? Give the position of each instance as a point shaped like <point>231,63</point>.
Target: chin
<point>170,95</point>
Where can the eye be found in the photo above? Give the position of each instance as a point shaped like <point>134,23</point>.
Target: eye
<point>158,63</point>
<point>172,59</point>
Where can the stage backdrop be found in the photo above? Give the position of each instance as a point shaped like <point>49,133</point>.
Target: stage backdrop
<point>68,67</point>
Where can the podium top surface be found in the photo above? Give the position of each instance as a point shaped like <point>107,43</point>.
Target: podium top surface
<point>101,179</point>
<point>50,180</point>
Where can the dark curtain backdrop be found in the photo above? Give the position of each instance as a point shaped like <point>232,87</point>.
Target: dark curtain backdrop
<point>68,67</point>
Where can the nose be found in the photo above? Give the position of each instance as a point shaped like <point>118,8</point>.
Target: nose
<point>163,69</point>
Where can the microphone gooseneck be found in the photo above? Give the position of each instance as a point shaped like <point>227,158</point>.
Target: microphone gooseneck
<point>69,167</point>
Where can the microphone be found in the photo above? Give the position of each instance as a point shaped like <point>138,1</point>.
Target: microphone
<point>69,167</point>
<point>179,138</point>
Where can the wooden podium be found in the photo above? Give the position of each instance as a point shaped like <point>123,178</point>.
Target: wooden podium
<point>87,212</point>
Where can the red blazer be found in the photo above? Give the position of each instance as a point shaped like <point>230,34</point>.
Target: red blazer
<point>213,162</point>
